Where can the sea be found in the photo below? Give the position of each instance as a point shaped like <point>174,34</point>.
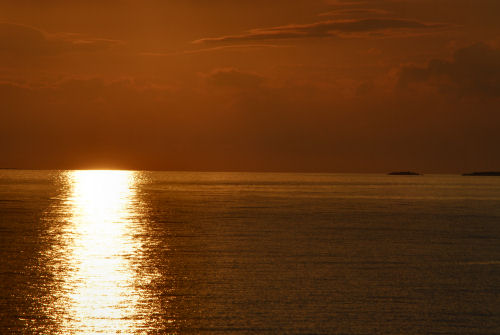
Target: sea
<point>136,252</point>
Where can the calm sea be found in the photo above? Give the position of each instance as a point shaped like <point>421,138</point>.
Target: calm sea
<point>120,252</point>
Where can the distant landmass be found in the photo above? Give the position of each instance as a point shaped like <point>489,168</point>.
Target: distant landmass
<point>404,173</point>
<point>483,173</point>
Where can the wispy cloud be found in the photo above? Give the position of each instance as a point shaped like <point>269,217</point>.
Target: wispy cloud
<point>355,3</point>
<point>236,47</point>
<point>343,28</point>
<point>27,41</point>
<point>355,11</point>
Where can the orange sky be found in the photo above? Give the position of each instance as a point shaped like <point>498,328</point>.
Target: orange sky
<point>283,85</point>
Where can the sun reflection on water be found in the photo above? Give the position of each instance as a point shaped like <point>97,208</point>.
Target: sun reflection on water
<point>101,295</point>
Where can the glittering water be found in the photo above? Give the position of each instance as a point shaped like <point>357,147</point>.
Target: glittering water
<point>108,252</point>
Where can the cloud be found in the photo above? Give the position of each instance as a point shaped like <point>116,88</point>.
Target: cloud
<point>355,3</point>
<point>237,47</point>
<point>472,70</point>
<point>234,78</point>
<point>343,28</point>
<point>26,41</point>
<point>346,2</point>
<point>355,12</point>
<point>93,123</point>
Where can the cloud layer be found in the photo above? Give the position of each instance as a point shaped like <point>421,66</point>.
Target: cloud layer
<point>237,120</point>
<point>301,91</point>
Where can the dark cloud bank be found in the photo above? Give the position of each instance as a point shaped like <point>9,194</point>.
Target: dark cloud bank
<point>473,70</point>
<point>441,117</point>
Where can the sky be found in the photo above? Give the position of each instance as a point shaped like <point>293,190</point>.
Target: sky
<point>251,85</point>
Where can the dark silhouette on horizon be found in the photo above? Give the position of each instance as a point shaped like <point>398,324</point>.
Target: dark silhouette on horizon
<point>483,174</point>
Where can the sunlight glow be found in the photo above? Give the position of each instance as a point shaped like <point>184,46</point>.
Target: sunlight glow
<point>100,286</point>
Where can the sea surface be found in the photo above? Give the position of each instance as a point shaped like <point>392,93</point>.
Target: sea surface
<point>129,252</point>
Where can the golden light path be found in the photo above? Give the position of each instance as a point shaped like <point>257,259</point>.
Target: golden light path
<point>102,295</point>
